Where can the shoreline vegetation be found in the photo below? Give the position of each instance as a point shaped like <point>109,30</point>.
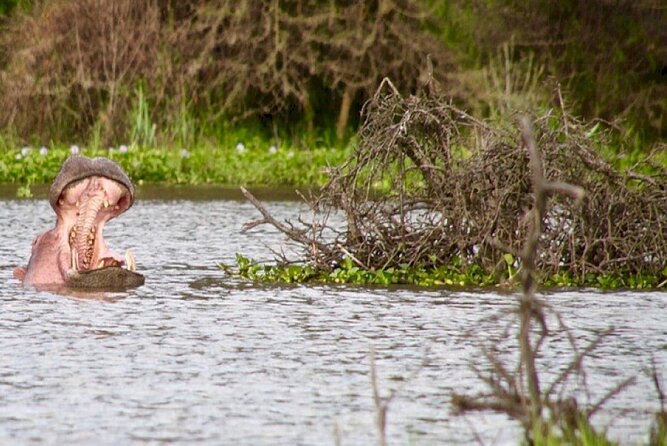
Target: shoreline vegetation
<point>255,159</point>
<point>447,276</point>
<point>242,158</point>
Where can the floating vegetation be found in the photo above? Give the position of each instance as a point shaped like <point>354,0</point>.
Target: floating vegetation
<point>453,275</point>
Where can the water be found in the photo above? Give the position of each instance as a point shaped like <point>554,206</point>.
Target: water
<point>194,357</point>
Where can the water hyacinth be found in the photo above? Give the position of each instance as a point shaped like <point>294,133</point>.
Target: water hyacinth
<point>240,148</point>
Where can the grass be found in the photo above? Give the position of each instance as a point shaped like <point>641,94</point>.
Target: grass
<point>583,435</point>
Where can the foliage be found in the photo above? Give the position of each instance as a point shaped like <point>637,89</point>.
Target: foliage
<point>609,56</point>
<point>72,69</point>
<point>242,157</point>
<point>77,64</point>
<point>454,274</point>
<point>349,272</point>
<point>6,6</point>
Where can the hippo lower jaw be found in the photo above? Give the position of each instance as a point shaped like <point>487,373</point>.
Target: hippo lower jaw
<point>106,278</point>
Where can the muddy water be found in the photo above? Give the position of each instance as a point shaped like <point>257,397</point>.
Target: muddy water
<point>193,357</point>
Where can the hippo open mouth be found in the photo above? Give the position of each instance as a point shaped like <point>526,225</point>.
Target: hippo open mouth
<point>85,195</point>
<point>85,206</point>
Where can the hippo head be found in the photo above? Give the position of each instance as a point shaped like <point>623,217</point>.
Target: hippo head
<point>85,195</point>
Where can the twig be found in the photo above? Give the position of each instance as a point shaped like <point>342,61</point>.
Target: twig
<point>382,403</point>
<point>297,236</point>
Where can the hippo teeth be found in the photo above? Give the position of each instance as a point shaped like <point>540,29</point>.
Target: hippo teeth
<point>130,263</point>
<point>75,259</point>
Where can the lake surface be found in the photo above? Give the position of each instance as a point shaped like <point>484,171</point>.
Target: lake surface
<point>194,357</point>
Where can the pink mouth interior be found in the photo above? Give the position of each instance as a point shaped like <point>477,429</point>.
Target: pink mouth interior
<point>84,207</point>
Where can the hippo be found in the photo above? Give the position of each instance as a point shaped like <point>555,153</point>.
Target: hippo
<point>85,195</point>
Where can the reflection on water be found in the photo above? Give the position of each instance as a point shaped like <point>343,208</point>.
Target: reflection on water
<point>194,357</point>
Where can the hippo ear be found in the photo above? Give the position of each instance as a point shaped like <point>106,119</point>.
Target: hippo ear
<point>19,273</point>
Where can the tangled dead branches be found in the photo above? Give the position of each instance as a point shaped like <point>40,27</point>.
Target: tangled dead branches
<point>74,65</point>
<point>429,184</point>
<point>80,62</point>
<point>261,58</point>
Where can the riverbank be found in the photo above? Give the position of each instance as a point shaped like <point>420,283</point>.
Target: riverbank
<point>251,161</point>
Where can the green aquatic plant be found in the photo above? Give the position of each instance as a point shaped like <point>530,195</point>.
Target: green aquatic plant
<point>24,191</point>
<point>454,274</point>
<point>348,272</point>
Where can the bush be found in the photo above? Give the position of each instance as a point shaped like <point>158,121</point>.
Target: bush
<point>73,65</point>
<point>610,56</point>
<point>75,68</point>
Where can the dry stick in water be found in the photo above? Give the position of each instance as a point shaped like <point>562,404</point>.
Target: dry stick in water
<point>382,404</point>
<point>530,307</point>
<point>298,236</point>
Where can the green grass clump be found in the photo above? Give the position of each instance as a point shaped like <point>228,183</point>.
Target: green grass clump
<point>583,434</point>
<point>454,274</point>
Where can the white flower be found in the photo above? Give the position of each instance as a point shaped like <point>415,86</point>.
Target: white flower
<point>19,156</point>
<point>122,148</point>
<point>74,149</point>
<point>111,149</point>
<point>290,154</point>
<point>43,150</point>
<point>185,154</point>
<point>25,150</point>
<point>240,147</point>
<point>273,150</point>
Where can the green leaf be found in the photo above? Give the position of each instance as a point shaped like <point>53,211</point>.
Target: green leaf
<point>509,258</point>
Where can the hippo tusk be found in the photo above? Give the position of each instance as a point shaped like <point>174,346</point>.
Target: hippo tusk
<point>75,259</point>
<point>130,263</point>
